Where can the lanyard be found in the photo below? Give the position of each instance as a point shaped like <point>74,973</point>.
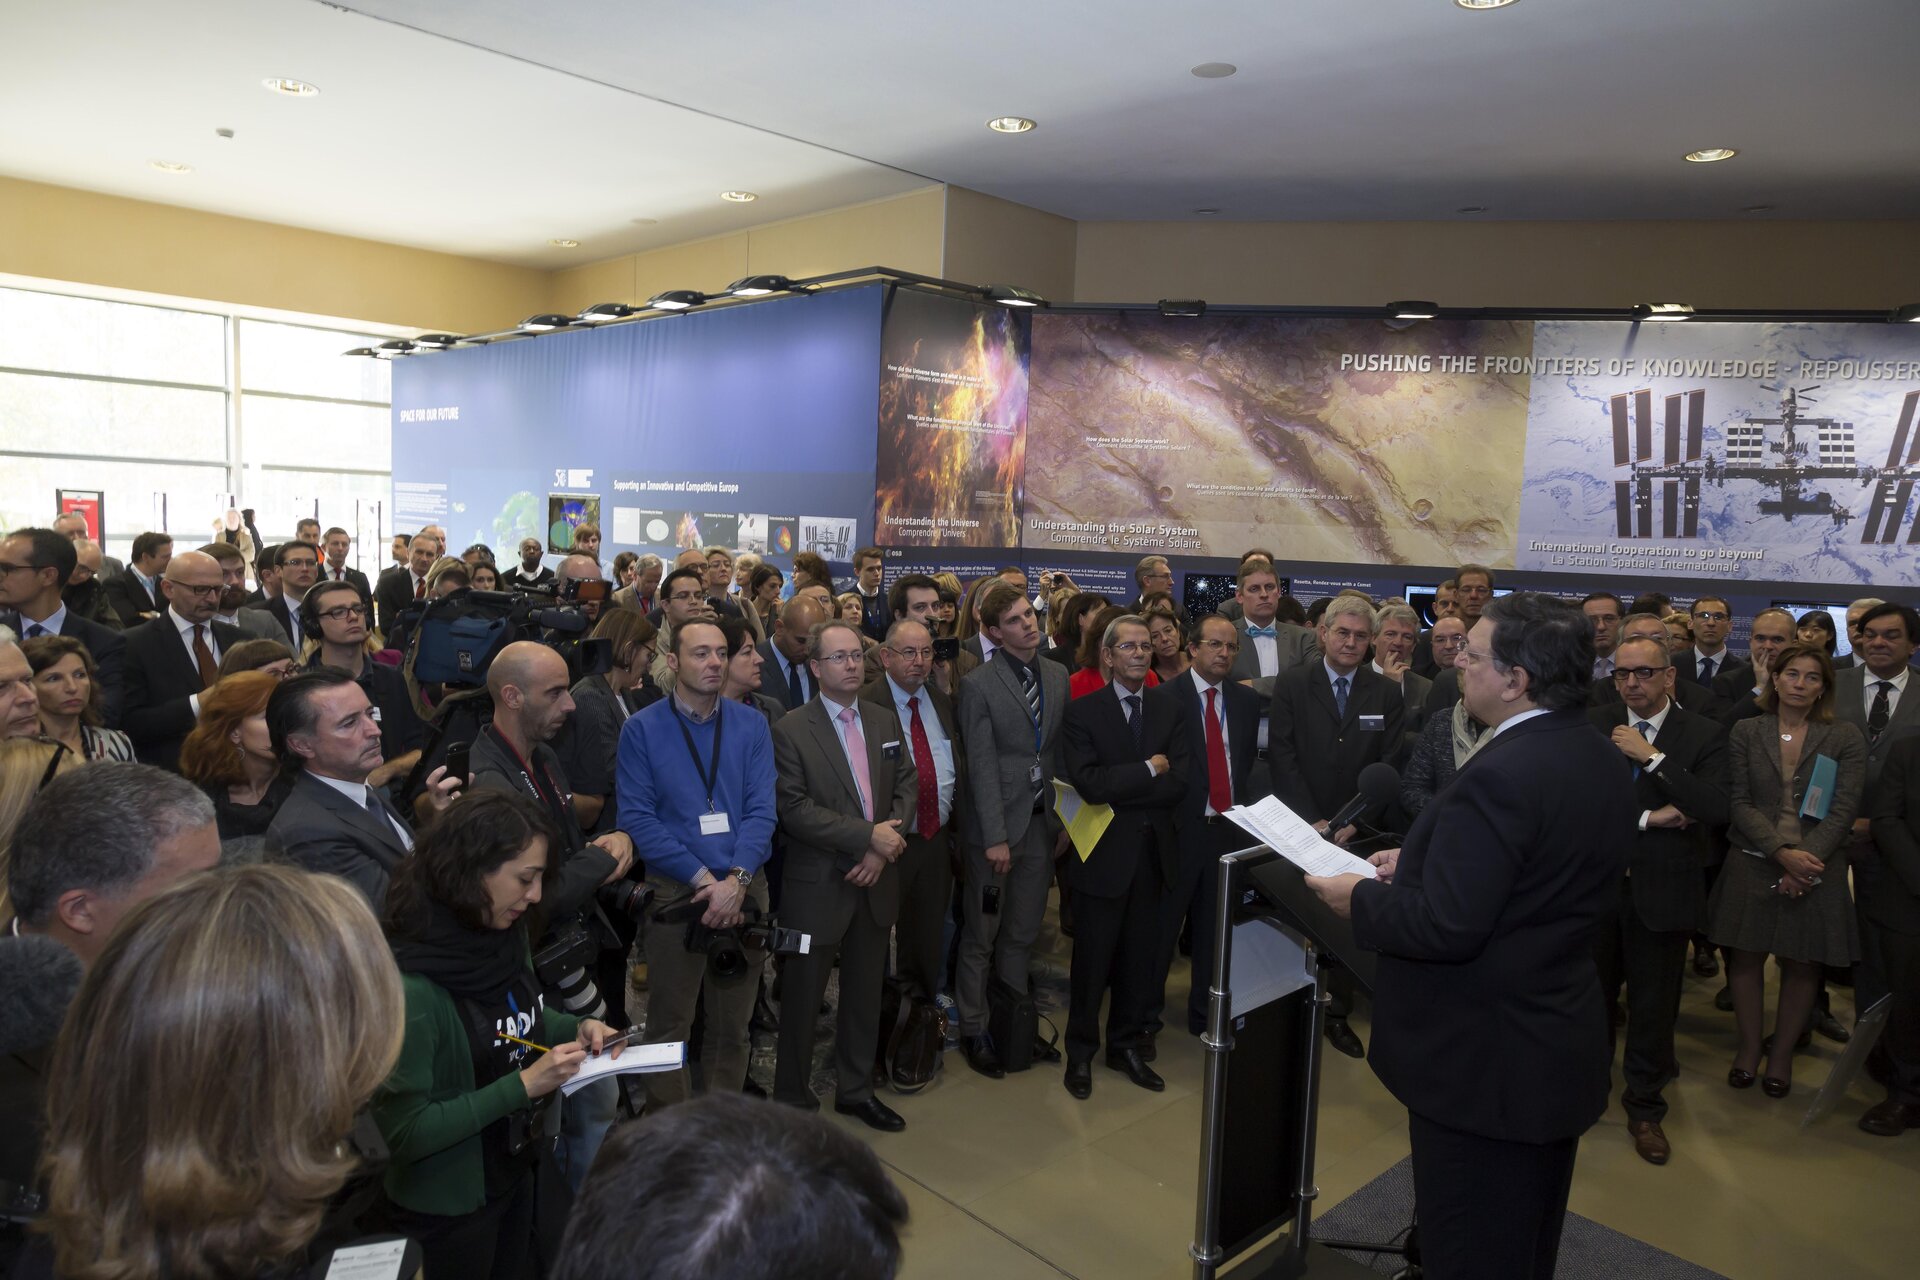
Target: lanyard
<point>556,803</point>
<point>711,770</point>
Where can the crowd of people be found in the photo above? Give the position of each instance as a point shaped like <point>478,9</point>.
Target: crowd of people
<point>412,946</point>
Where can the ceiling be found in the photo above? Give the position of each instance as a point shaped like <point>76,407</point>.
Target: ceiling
<point>486,127</point>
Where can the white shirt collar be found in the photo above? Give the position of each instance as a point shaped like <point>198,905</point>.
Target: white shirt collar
<point>51,624</point>
<point>1333,675</point>
<point>1718,660</point>
<point>354,791</point>
<point>1120,692</point>
<point>1201,686</point>
<point>1899,682</point>
<point>1511,721</point>
<point>1657,721</point>
<point>181,625</point>
<point>835,708</point>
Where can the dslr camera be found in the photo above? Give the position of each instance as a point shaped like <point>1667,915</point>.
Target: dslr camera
<point>726,949</point>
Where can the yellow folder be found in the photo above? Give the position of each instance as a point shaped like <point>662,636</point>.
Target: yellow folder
<point>1085,823</point>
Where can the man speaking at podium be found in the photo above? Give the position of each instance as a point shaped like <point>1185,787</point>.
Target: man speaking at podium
<point>1488,1018</point>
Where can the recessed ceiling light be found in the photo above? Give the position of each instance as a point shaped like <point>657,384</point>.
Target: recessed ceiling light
<point>1471,208</point>
<point>1012,124</point>
<point>291,88</point>
<point>1710,155</point>
<point>738,197</point>
<point>170,166</point>
<point>1485,4</point>
<point>1214,70</point>
<point>564,243</point>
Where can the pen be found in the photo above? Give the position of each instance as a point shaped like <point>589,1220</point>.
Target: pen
<point>530,1044</point>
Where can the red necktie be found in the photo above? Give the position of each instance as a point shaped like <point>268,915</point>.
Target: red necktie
<point>926,819</point>
<point>419,588</point>
<point>1219,784</point>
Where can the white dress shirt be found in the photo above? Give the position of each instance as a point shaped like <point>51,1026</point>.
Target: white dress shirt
<point>185,629</point>
<point>1121,692</point>
<point>50,624</point>
<point>1200,690</point>
<point>360,793</point>
<point>937,742</point>
<point>1899,683</point>
<point>1652,735</point>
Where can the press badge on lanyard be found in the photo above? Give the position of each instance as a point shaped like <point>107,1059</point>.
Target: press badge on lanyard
<point>712,822</point>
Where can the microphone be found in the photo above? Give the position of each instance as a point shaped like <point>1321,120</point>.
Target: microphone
<point>38,980</point>
<point>1379,785</point>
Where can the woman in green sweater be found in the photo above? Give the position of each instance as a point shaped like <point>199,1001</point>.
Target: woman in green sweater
<point>469,1110</point>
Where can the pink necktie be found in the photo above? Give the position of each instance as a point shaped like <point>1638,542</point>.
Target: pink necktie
<point>856,744</point>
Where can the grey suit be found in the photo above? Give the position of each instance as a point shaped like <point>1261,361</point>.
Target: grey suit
<point>1002,750</point>
<point>255,623</point>
<point>1297,646</point>
<point>324,831</point>
<point>1850,687</point>
<point>828,835</point>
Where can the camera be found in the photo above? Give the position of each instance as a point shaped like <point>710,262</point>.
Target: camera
<point>625,897</point>
<point>946,648</point>
<point>725,949</point>
<point>561,965</point>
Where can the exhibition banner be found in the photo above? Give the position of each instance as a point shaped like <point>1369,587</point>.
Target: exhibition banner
<point>747,427</point>
<point>1346,441</point>
<point>1731,451</point>
<point>952,423</point>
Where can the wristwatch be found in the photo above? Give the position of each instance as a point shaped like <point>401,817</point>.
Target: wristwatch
<point>744,876</point>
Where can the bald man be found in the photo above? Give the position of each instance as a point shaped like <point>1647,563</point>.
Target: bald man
<point>528,685</point>
<point>579,568</point>
<point>173,658</point>
<point>784,674</point>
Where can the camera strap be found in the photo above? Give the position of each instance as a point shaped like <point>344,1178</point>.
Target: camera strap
<point>549,795</point>
<point>710,771</point>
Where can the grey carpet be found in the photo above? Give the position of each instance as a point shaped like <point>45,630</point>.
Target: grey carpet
<point>1382,1210</point>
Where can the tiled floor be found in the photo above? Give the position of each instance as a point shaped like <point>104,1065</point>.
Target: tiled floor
<point>1013,1178</point>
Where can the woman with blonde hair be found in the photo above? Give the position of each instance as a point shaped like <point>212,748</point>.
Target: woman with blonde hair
<point>68,686</point>
<point>26,765</point>
<point>229,755</point>
<point>210,1071</point>
<point>447,576</point>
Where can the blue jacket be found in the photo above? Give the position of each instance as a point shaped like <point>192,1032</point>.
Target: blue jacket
<point>661,795</point>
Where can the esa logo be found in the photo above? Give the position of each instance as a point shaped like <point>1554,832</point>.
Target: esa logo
<point>566,478</point>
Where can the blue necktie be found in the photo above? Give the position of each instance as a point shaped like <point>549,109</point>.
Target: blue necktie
<point>1340,697</point>
<point>1133,719</point>
<point>1269,632</point>
<point>1645,729</point>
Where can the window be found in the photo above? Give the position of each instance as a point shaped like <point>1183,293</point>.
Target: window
<point>173,414</point>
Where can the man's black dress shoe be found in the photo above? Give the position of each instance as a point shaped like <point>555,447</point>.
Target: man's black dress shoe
<point>981,1057</point>
<point>1129,1064</point>
<point>1831,1027</point>
<point>1044,1052</point>
<point>1891,1119</point>
<point>1342,1037</point>
<point>1705,963</point>
<point>1148,1051</point>
<point>1080,1079</point>
<point>873,1113</point>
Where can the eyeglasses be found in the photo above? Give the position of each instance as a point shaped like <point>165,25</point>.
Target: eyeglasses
<point>1133,646</point>
<point>1228,646</point>
<point>1449,642</point>
<point>843,657</point>
<point>299,564</point>
<point>1711,615</point>
<point>912,653</point>
<point>345,611</point>
<point>191,589</point>
<point>6,568</point>
<point>1643,674</point>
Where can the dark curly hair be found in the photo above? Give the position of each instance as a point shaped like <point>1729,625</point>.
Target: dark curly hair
<point>480,832</point>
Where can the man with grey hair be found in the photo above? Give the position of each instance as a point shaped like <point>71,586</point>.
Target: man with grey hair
<point>1855,611</point>
<point>640,592</point>
<point>99,840</point>
<point>1328,721</point>
<point>1152,574</point>
<point>19,704</point>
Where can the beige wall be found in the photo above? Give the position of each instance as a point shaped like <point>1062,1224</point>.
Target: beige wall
<point>902,232</point>
<point>1757,264</point>
<point>82,237</point>
<point>993,241</point>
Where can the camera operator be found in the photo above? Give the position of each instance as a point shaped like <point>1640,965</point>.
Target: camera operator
<point>579,568</point>
<point>696,792</point>
<point>528,685</point>
<point>467,1112</point>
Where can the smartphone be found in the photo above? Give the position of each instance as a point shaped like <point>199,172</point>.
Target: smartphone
<point>946,648</point>
<point>457,762</point>
<point>990,900</point>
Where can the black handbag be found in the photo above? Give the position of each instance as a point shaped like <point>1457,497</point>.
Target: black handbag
<point>913,1034</point>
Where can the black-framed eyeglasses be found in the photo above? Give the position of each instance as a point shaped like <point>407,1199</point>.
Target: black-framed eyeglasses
<point>341,613</point>
<point>191,589</point>
<point>1711,615</point>
<point>1643,674</point>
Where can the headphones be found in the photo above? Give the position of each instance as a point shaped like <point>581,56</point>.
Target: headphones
<point>310,609</point>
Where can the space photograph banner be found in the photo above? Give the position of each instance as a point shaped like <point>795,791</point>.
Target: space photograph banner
<point>1732,451</point>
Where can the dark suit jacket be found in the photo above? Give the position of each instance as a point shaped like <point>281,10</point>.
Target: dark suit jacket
<point>1240,715</point>
<point>582,867</point>
<point>1696,698</point>
<point>277,609</point>
<point>1487,1009</point>
<point>1098,756</point>
<point>107,647</point>
<point>392,594</point>
<point>880,693</point>
<point>826,832</point>
<point>130,598</point>
<point>1316,756</point>
<point>1850,704</point>
<point>324,831</point>
<point>160,678</point>
<point>773,678</point>
<point>357,578</point>
<point>1687,667</point>
<point>1664,864</point>
<point>1754,782</point>
<point>1895,901</point>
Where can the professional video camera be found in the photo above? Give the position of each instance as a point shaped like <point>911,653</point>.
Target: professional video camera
<point>453,640</point>
<point>725,949</point>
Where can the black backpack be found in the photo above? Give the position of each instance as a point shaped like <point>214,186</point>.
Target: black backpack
<point>913,1032</point>
<point>1013,1023</point>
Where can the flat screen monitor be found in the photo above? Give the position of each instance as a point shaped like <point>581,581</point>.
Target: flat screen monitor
<point>1838,612</point>
<point>1204,593</point>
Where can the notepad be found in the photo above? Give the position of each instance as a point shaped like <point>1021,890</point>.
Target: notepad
<point>633,1059</point>
<point>1293,838</point>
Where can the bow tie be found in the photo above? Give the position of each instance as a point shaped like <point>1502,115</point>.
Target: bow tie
<point>1269,632</point>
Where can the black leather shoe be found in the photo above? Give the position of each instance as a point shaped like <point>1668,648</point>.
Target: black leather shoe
<point>873,1113</point>
<point>1775,1088</point>
<point>1738,1079</point>
<point>981,1057</point>
<point>1148,1051</point>
<point>1128,1062</point>
<point>1723,999</point>
<point>1044,1052</point>
<point>1342,1037</point>
<point>1705,963</point>
<point>1829,1026</point>
<point>1891,1119</point>
<point>1080,1079</point>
